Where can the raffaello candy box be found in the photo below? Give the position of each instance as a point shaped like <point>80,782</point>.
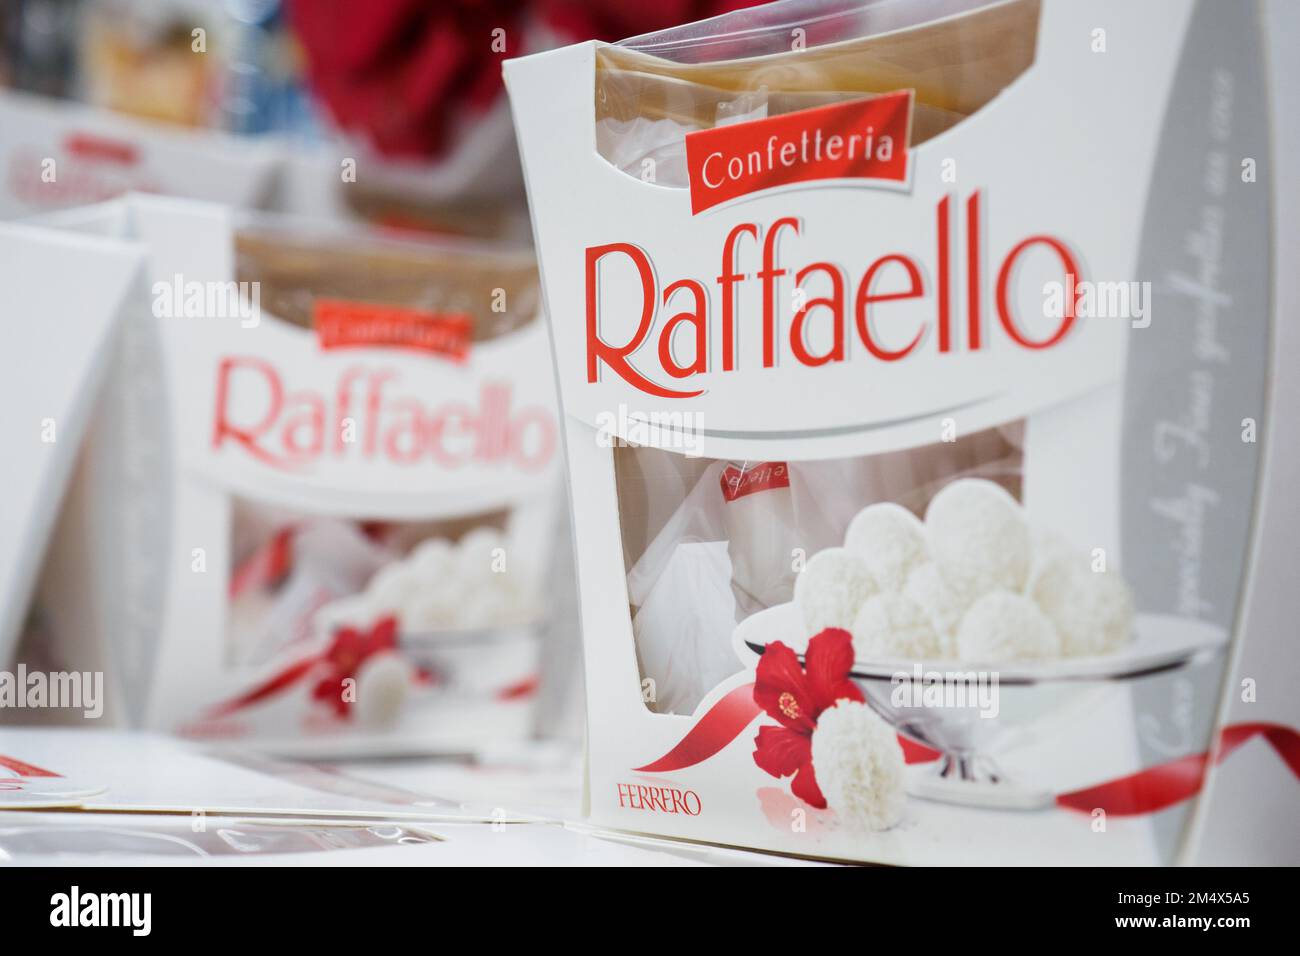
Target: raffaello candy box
<point>917,365</point>
<point>318,507</point>
<point>59,155</point>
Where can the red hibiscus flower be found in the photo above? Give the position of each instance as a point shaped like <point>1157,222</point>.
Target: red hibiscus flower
<point>351,648</point>
<point>795,697</point>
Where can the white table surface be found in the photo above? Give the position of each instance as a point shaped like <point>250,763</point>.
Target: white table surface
<point>538,783</point>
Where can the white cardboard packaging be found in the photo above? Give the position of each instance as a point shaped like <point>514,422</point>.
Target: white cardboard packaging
<point>213,424</point>
<point>134,771</point>
<point>1247,815</point>
<point>58,344</point>
<point>57,155</point>
<point>1147,162</point>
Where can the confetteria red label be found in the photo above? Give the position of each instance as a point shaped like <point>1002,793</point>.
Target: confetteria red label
<point>342,324</point>
<point>763,476</point>
<point>860,139</point>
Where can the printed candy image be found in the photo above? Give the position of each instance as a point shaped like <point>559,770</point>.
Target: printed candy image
<point>824,723</point>
<point>966,585</point>
<point>374,632</point>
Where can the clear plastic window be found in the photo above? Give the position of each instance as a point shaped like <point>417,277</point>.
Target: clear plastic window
<point>956,54</point>
<point>707,543</point>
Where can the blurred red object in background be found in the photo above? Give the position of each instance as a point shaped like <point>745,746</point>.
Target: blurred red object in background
<point>403,74</point>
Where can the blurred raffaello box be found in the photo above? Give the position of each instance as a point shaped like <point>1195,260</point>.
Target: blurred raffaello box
<point>317,508</point>
<point>59,155</point>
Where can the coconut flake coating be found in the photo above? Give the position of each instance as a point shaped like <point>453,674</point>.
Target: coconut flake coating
<point>393,585</point>
<point>859,766</point>
<point>890,540</point>
<point>383,686</point>
<point>942,604</point>
<point>1091,610</point>
<point>831,588</point>
<point>433,555</point>
<point>978,538</point>
<point>891,625</point>
<point>439,586</point>
<point>1002,626</point>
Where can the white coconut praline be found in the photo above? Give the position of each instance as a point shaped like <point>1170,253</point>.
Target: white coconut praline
<point>891,626</point>
<point>943,604</point>
<point>831,588</point>
<point>477,551</point>
<point>393,585</point>
<point>432,555</point>
<point>383,685</point>
<point>859,766</point>
<point>890,540</point>
<point>978,538</point>
<point>1092,611</point>
<point>1002,626</point>
<point>437,607</point>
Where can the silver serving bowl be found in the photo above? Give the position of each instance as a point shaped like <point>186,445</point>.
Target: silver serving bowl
<point>975,719</point>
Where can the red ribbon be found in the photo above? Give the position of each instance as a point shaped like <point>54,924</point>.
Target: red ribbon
<point>720,725</point>
<point>297,671</point>
<point>1164,785</point>
<point>25,769</point>
<point>345,655</point>
<point>914,752</point>
<point>1146,791</point>
<point>268,688</point>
